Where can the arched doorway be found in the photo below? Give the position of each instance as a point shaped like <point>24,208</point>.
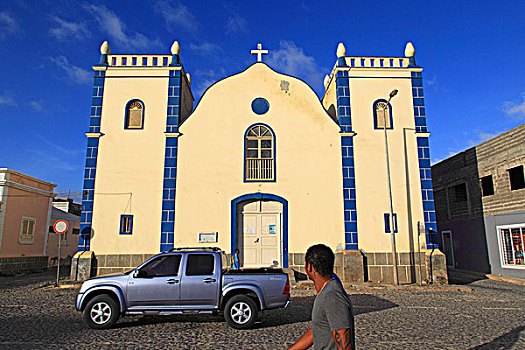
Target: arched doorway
<point>260,229</point>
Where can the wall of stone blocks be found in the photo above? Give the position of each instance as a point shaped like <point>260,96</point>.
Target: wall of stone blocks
<point>10,266</point>
<point>296,263</point>
<point>379,267</point>
<point>376,267</point>
<point>495,157</point>
<point>107,264</point>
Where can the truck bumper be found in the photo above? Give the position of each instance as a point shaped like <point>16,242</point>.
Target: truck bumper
<point>78,302</point>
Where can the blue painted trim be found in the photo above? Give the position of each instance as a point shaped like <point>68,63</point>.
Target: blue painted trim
<point>274,154</point>
<point>90,168</point>
<point>387,222</point>
<point>126,116</point>
<point>260,196</point>
<point>423,151</point>
<point>344,112</point>
<point>427,195</point>
<point>175,61</point>
<point>167,229</point>
<point>130,225</point>
<point>260,105</point>
<point>375,115</point>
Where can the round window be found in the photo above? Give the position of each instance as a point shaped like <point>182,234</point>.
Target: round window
<point>260,105</point>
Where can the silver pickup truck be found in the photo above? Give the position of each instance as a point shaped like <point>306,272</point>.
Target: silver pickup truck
<point>184,280</point>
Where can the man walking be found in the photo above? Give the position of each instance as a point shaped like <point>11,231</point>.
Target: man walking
<point>332,314</point>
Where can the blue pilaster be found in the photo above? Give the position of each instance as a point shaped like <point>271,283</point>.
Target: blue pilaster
<point>96,101</point>
<point>167,230</point>
<point>423,152</point>
<point>344,114</point>
<point>88,194</point>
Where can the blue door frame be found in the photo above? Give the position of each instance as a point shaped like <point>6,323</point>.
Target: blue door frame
<point>260,196</point>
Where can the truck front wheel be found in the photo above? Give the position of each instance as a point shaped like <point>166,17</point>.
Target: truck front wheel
<point>240,312</point>
<point>101,312</point>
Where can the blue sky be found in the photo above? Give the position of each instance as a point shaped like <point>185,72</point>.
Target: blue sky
<point>472,53</point>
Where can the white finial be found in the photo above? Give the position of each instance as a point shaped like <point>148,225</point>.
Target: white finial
<point>409,50</point>
<point>175,48</point>
<point>326,81</point>
<point>341,50</point>
<point>189,78</point>
<point>259,52</point>
<point>104,48</point>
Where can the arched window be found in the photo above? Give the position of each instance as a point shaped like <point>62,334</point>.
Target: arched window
<point>382,113</point>
<point>134,115</point>
<point>259,154</point>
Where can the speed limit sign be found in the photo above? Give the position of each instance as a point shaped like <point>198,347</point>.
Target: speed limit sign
<point>60,227</point>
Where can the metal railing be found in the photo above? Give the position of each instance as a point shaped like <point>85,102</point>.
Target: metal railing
<point>259,169</point>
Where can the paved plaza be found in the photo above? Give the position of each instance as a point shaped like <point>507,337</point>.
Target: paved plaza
<point>489,316</point>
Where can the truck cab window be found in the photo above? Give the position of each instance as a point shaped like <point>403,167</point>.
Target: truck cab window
<point>199,265</point>
<point>167,265</point>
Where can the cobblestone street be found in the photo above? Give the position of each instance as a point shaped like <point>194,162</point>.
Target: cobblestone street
<point>491,316</point>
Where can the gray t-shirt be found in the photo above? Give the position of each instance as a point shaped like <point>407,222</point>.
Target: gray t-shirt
<point>332,311</point>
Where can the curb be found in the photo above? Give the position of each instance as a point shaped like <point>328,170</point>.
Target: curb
<point>368,287</point>
<point>513,280</point>
<point>458,274</point>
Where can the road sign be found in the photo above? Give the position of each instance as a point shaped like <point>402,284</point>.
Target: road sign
<point>60,227</point>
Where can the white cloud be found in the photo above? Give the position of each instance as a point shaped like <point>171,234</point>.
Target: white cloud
<point>7,24</point>
<point>481,136</point>
<point>116,29</point>
<point>6,100</point>
<point>73,73</point>
<point>236,23</point>
<point>292,60</point>
<point>206,48</point>
<point>206,78</point>
<point>433,81</point>
<point>37,105</point>
<point>177,16</point>
<point>68,30</point>
<point>515,109</point>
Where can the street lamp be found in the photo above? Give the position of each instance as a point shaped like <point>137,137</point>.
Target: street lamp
<point>394,260</point>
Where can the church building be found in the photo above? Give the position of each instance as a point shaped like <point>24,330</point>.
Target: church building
<point>262,164</point>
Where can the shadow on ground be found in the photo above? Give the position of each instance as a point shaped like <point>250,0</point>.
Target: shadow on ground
<point>299,310</point>
<point>503,342</point>
<point>460,277</point>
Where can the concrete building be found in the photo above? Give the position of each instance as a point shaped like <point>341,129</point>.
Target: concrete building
<point>480,206</point>
<point>261,164</point>
<point>64,209</point>
<point>25,214</point>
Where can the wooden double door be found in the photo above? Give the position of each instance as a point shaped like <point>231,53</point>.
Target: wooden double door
<point>259,235</point>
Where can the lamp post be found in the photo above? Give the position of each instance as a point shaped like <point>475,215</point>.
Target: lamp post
<point>394,260</point>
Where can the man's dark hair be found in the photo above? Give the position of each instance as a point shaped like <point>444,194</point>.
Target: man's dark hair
<point>321,258</point>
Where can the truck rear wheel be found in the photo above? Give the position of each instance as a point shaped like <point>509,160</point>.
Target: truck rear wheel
<point>240,312</point>
<point>101,312</point>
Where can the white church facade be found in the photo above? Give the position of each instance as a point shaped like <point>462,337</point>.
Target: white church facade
<point>261,164</point>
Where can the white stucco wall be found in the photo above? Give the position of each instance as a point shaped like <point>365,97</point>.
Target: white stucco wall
<point>211,158</point>
<point>366,86</point>
<point>130,163</point>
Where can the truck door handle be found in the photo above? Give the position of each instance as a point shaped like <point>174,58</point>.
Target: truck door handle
<point>256,241</point>
<point>171,281</point>
<point>208,280</point>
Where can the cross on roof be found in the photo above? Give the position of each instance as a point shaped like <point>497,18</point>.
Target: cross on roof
<point>259,52</point>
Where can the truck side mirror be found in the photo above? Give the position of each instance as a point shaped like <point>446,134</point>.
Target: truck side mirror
<point>140,274</point>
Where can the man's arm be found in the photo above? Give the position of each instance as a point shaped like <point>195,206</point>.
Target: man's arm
<point>306,340</point>
<point>343,339</point>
